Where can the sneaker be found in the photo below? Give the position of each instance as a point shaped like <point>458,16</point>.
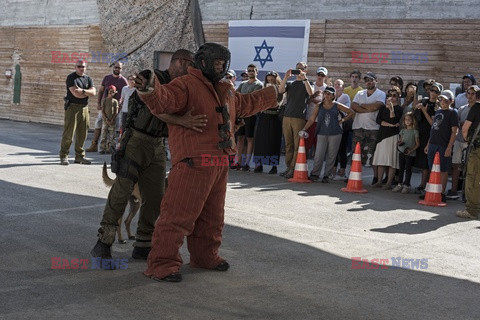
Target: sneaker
<point>325,179</point>
<point>406,189</point>
<point>313,177</point>
<point>82,161</point>
<point>419,190</point>
<point>282,174</point>
<point>387,186</point>
<point>235,166</point>
<point>397,188</point>
<point>64,161</point>
<point>452,195</point>
<point>273,170</point>
<point>374,180</point>
<point>246,168</point>
<point>340,178</point>
<point>444,197</point>
<point>289,175</point>
<point>465,214</point>
<point>258,169</point>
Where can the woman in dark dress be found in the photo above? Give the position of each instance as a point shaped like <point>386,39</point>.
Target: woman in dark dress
<point>386,154</point>
<point>268,133</point>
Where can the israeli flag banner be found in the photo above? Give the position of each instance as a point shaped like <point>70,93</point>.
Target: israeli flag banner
<point>270,44</point>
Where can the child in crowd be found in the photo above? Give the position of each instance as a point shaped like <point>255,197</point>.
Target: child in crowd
<point>408,143</point>
<point>442,136</point>
<point>109,112</point>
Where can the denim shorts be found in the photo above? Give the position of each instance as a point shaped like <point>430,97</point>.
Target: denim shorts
<point>445,162</point>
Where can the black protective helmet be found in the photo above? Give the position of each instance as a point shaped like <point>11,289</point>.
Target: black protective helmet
<point>208,53</point>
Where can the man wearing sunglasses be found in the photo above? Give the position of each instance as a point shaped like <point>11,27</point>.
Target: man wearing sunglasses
<point>79,89</point>
<point>231,76</point>
<point>115,79</point>
<point>365,127</point>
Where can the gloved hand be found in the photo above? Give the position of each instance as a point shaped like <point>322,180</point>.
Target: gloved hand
<point>304,134</point>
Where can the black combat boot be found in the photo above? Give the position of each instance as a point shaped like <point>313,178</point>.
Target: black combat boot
<point>102,250</point>
<point>140,253</point>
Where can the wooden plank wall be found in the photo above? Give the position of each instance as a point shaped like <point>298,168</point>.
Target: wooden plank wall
<point>451,48</point>
<point>43,82</point>
<point>448,48</point>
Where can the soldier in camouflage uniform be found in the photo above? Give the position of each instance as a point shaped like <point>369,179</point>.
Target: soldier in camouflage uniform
<point>472,178</point>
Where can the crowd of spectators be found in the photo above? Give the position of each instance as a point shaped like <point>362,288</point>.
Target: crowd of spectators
<point>398,130</point>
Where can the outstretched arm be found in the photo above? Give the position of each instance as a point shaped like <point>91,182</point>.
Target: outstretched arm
<point>249,104</point>
<point>161,98</point>
<point>194,122</point>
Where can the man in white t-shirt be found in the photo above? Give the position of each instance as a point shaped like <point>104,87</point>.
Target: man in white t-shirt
<point>126,93</point>
<point>365,127</point>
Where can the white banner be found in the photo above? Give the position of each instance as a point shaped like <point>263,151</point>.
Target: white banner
<point>272,45</point>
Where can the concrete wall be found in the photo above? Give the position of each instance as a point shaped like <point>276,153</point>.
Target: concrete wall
<point>337,9</point>
<point>48,12</point>
<point>85,12</point>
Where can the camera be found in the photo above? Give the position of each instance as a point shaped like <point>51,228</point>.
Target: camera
<point>295,71</point>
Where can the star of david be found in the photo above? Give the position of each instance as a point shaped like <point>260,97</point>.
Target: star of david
<point>258,49</point>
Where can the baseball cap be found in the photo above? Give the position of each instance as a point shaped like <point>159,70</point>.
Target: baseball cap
<point>437,85</point>
<point>244,73</point>
<point>447,94</point>
<point>428,82</point>
<point>112,87</point>
<point>475,88</point>
<point>322,70</point>
<point>471,77</point>
<point>329,89</point>
<point>232,73</point>
<point>370,75</point>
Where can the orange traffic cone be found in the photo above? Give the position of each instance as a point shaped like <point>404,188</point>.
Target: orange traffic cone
<point>355,182</point>
<point>301,169</point>
<point>433,195</point>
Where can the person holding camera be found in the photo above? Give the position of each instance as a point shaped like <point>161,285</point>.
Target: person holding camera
<point>79,88</point>
<point>298,93</point>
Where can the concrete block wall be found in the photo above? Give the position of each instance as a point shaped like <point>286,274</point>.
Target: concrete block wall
<point>48,13</point>
<point>337,10</point>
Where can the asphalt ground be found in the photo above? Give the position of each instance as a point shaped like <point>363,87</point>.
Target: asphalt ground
<point>290,247</point>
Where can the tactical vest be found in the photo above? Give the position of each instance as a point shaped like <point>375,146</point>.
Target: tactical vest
<point>139,116</point>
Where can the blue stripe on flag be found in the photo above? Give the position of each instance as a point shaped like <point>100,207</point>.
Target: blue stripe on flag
<point>273,32</point>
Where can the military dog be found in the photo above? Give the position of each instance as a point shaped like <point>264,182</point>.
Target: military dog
<point>134,201</point>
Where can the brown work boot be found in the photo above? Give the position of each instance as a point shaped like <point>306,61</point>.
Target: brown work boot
<point>82,161</point>
<point>94,146</point>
